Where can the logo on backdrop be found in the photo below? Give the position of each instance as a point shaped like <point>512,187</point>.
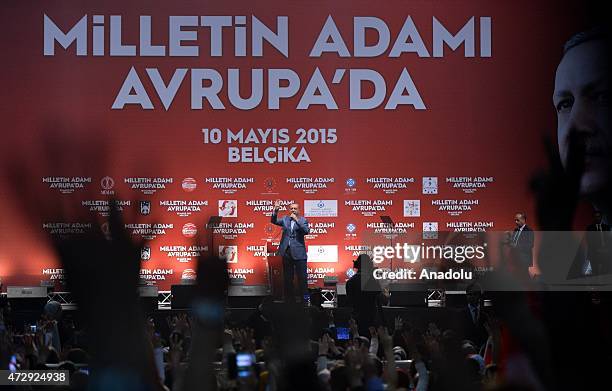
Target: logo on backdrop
<point>269,186</point>
<point>107,183</point>
<point>145,208</point>
<point>430,185</point>
<point>321,208</point>
<point>189,184</point>
<point>269,230</point>
<point>189,275</point>
<point>145,253</point>
<point>229,253</point>
<point>351,231</point>
<point>189,230</point>
<point>430,230</point>
<point>350,272</point>
<point>228,208</point>
<point>412,208</point>
<point>323,253</point>
<point>350,186</point>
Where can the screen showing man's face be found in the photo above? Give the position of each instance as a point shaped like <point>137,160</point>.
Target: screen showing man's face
<point>581,99</point>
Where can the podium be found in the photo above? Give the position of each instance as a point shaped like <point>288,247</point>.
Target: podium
<point>275,270</point>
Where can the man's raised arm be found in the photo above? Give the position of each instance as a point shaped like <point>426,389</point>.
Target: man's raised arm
<point>274,217</point>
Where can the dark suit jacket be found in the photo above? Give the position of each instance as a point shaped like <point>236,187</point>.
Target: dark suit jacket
<point>594,237</point>
<point>366,303</point>
<point>473,329</point>
<point>599,248</point>
<point>294,239</point>
<point>524,246</point>
<point>593,227</point>
<point>594,250</point>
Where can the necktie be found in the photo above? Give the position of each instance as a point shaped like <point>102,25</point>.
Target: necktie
<point>474,311</point>
<point>516,237</point>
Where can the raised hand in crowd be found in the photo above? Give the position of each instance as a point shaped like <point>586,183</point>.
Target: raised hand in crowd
<point>207,326</point>
<point>493,327</point>
<point>324,345</point>
<point>245,339</point>
<point>387,344</point>
<point>399,323</point>
<point>353,327</point>
<point>179,323</point>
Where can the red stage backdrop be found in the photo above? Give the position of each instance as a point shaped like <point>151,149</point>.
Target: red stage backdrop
<point>430,112</point>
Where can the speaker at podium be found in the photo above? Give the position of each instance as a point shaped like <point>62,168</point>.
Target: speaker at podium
<point>275,269</point>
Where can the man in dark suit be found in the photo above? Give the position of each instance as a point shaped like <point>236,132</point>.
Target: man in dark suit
<point>292,248</point>
<point>521,241</point>
<point>364,294</point>
<point>473,317</point>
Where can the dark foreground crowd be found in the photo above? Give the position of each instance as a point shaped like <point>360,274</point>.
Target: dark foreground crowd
<point>526,341</point>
